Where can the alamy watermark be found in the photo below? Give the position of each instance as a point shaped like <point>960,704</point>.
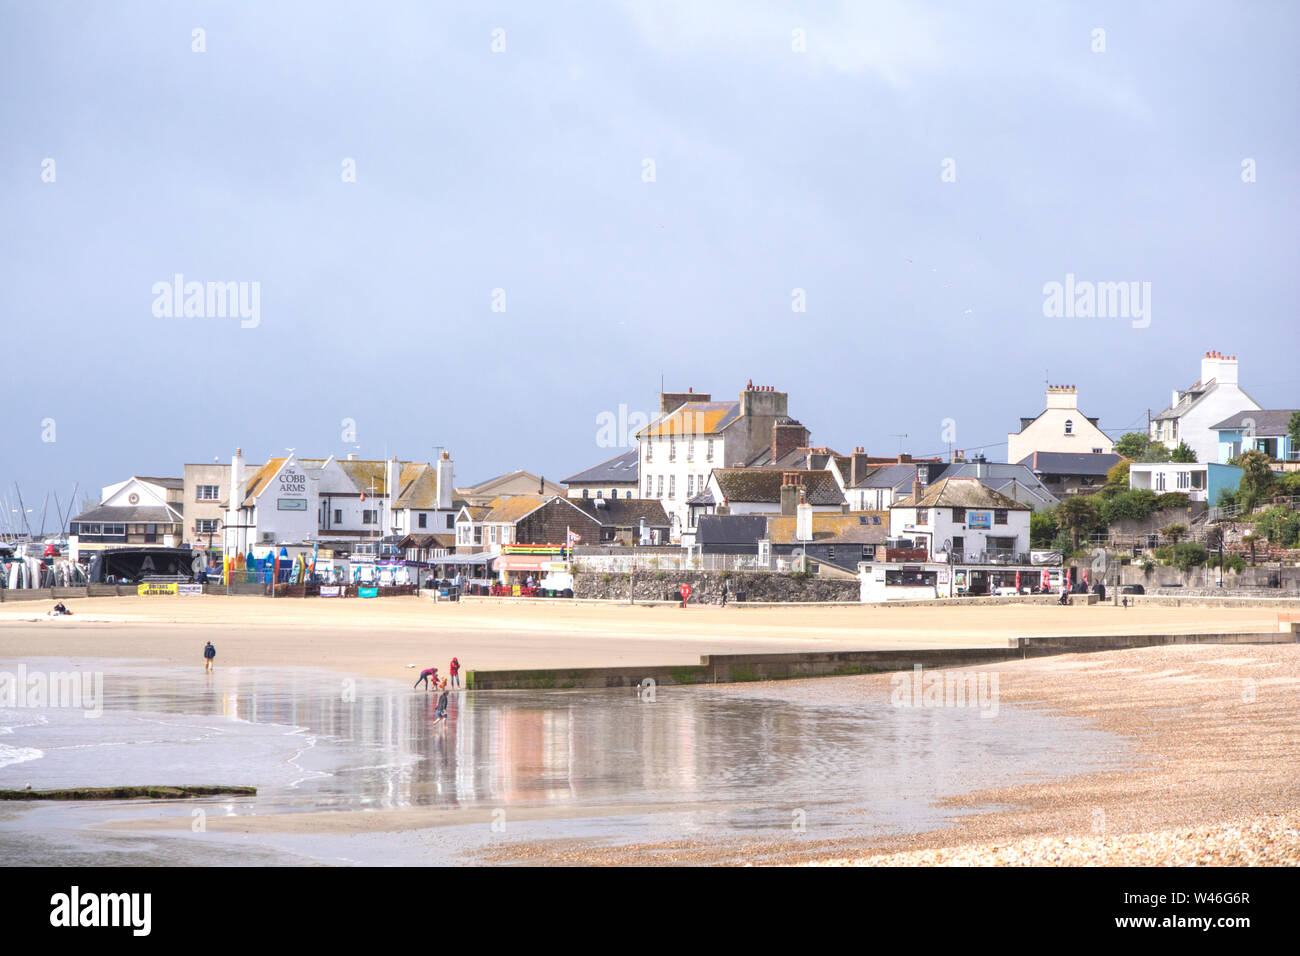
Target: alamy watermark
<point>1083,299</point>
<point>83,690</point>
<point>179,299</point>
<point>929,689</point>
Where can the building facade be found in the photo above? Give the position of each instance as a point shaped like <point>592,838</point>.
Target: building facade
<point>1194,411</point>
<point>1060,427</point>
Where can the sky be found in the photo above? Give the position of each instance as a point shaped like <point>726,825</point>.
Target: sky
<point>487,227</point>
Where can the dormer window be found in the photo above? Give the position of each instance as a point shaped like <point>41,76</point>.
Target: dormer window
<point>1069,426</point>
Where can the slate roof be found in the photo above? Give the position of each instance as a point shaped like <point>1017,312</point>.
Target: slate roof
<point>624,468</point>
<point>1269,423</point>
<point>730,529</point>
<point>624,512</point>
<point>173,483</point>
<point>764,485</point>
<point>1070,463</point>
<point>132,514</point>
<point>419,490</point>
<point>961,493</point>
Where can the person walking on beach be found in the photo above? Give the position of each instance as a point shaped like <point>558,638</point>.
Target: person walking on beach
<point>454,669</point>
<point>209,652</point>
<point>425,674</point>
<point>725,591</point>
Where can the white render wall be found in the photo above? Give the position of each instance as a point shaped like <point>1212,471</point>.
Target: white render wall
<point>691,459</point>
<point>940,528</point>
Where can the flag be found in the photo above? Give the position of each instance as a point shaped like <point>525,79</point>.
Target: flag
<point>574,537</point>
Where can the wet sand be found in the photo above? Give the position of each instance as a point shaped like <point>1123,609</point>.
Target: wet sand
<point>383,637</point>
<point>1217,783</point>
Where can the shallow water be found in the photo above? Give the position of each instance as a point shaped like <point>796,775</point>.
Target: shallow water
<point>695,763</point>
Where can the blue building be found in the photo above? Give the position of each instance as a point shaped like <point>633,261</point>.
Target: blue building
<point>1258,429</point>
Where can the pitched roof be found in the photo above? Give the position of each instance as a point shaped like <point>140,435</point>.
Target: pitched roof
<point>1267,422</point>
<point>730,529</point>
<point>624,512</point>
<point>764,485</point>
<point>1070,463</point>
<point>961,493</point>
<point>174,483</point>
<point>624,467</point>
<point>855,528</point>
<point>148,514</point>
<point>693,419</point>
<point>511,508</point>
<point>418,487</point>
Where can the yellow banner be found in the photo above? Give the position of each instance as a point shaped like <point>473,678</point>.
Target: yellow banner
<point>148,590</point>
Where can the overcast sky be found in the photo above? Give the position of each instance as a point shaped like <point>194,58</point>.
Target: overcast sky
<point>525,171</point>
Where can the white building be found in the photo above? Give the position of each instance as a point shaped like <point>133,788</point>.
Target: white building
<point>963,519</point>
<point>1060,427</point>
<point>1193,412</point>
<point>344,502</point>
<point>693,435</point>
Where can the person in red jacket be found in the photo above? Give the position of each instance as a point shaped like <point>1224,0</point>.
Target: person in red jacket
<point>454,669</point>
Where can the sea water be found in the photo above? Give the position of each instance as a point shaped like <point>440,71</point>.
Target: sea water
<point>698,763</point>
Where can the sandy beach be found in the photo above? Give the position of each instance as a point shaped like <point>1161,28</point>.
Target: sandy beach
<point>1213,776</point>
<point>381,638</point>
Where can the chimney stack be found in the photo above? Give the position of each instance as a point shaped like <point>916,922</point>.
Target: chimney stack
<point>916,488</point>
<point>790,493</point>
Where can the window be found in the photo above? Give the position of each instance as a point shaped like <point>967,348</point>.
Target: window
<point>649,451</point>
<point>600,493</point>
<point>958,545</point>
<point>206,525</point>
<point>628,493</point>
<point>586,493</point>
<point>830,553</point>
<point>478,534</point>
<point>959,515</point>
<point>1184,479</point>
<point>672,486</point>
<point>690,451</point>
<point>1097,451</point>
<point>338,515</point>
<point>922,516</point>
<point>1160,481</point>
<point>451,522</point>
<point>999,515</point>
<point>708,451</point>
<point>424,520</point>
<point>369,517</point>
<point>649,487</point>
<point>1069,426</point>
<point>690,486</point>
<point>207,492</point>
<point>661,486</point>
<point>672,450</point>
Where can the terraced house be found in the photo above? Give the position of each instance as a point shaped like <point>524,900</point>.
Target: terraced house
<point>693,435</point>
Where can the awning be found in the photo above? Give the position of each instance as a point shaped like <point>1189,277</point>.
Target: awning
<point>525,562</point>
<point>482,557</point>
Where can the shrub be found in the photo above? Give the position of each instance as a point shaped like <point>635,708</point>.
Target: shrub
<point>1188,554</point>
<point>1280,525</point>
<point>1171,499</point>
<point>1164,554</point>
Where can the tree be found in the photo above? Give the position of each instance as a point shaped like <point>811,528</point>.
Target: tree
<point>1076,514</point>
<point>1250,540</point>
<point>1155,451</point>
<point>1117,477</point>
<point>1256,478</point>
<point>1293,429</point>
<point>1183,453</point>
<point>1280,525</point>
<point>1174,532</point>
<point>1042,528</point>
<point>1132,445</point>
<point>1189,554</point>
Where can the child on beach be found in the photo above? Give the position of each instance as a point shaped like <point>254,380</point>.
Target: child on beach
<point>425,675</point>
<point>454,668</point>
<point>440,711</point>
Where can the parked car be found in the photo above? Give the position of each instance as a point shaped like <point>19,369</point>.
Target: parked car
<point>1132,589</point>
<point>1005,591</point>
